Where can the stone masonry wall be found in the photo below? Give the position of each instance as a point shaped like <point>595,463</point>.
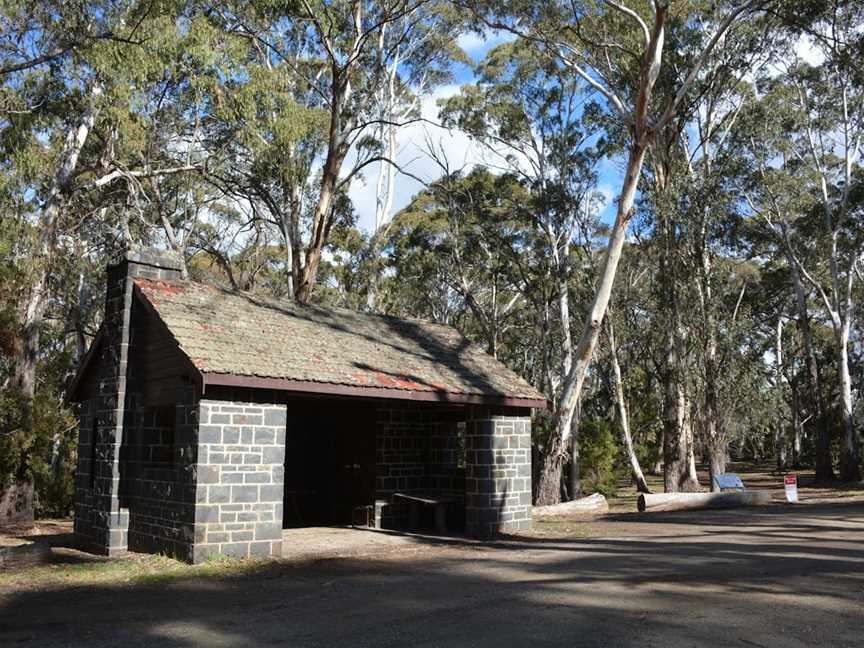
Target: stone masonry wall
<point>498,475</point>
<point>156,488</point>
<point>402,441</point>
<point>240,474</point>
<point>157,484</point>
<point>85,514</point>
<point>415,451</point>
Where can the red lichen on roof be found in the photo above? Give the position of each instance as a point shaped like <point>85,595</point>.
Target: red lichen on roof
<point>157,286</point>
<point>360,378</point>
<point>396,382</point>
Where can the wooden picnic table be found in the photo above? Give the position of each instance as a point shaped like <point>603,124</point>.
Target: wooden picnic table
<point>437,501</point>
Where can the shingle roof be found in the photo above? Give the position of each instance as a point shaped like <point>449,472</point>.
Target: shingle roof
<point>228,333</point>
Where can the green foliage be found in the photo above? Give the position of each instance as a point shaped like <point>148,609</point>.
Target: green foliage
<point>598,451</point>
<point>38,442</point>
<point>38,436</point>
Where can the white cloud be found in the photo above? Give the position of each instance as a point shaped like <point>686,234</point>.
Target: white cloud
<point>476,45</point>
<point>608,194</point>
<point>411,155</point>
<point>471,41</point>
<point>808,52</point>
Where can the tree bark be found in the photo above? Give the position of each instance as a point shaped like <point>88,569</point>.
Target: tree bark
<point>33,304</point>
<point>337,148</point>
<point>797,426</point>
<point>678,451</point>
<point>385,189</point>
<point>779,434</point>
<point>714,435</point>
<point>641,484</point>
<point>593,504</point>
<point>320,224</point>
<point>16,503</point>
<point>575,456</point>
<point>548,489</point>
<point>850,467</point>
<point>780,446</point>
<point>824,469</point>
<point>547,492</point>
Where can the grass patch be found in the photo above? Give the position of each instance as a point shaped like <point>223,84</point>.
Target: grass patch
<point>562,527</point>
<point>132,570</point>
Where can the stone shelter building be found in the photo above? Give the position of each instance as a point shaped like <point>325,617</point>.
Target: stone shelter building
<point>210,420</point>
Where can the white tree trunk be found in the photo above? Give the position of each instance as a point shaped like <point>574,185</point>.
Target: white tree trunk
<point>779,435</point>
<point>850,469</point>
<point>549,482</point>
<point>824,469</point>
<point>641,484</point>
<point>33,304</point>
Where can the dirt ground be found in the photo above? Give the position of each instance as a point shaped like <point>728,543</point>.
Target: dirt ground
<point>772,576</point>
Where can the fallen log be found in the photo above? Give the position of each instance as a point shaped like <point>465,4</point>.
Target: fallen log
<point>688,501</point>
<point>594,504</point>
<point>26,555</point>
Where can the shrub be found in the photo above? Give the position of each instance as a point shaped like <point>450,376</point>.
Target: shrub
<point>37,443</point>
<point>598,451</point>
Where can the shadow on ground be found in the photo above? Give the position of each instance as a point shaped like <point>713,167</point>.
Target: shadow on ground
<point>777,576</point>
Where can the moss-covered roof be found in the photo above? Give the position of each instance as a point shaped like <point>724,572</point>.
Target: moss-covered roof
<point>238,334</point>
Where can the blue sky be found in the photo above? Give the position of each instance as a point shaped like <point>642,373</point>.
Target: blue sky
<point>460,150</point>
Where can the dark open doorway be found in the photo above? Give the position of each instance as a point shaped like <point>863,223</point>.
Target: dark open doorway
<point>329,461</point>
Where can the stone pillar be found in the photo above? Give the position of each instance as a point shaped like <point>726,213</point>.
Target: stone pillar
<point>109,519</point>
<point>239,475</point>
<point>497,475</point>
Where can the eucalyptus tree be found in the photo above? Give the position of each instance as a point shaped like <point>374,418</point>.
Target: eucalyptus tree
<point>318,70</point>
<point>692,205</point>
<point>429,49</point>
<point>619,51</point>
<point>831,106</point>
<point>80,132</point>
<point>775,199</point>
<point>414,56</point>
<point>623,413</point>
<point>44,92</point>
<point>808,194</point>
<point>533,120</point>
<point>464,243</point>
<point>83,132</point>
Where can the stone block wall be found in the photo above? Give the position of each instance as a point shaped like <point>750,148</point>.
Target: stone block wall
<point>239,480</point>
<point>445,471</point>
<point>498,475</point>
<point>401,449</point>
<point>156,491</point>
<point>157,486</point>
<point>85,514</point>
<point>416,450</point>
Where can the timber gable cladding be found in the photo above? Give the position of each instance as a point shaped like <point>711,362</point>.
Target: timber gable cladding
<point>188,393</point>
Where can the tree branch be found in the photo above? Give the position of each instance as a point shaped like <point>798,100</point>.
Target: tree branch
<point>629,12</point>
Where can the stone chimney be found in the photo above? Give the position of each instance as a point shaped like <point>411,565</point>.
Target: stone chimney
<point>105,522</point>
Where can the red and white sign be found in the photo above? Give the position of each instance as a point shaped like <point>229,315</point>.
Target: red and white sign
<point>790,483</point>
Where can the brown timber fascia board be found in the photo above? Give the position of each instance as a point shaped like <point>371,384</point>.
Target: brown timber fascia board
<point>312,387</point>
